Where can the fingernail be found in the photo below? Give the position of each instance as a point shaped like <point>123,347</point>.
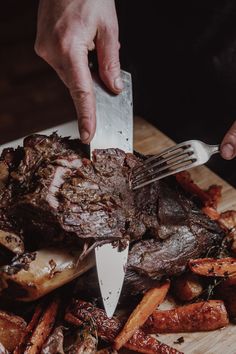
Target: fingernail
<point>118,84</point>
<point>84,135</point>
<point>227,151</point>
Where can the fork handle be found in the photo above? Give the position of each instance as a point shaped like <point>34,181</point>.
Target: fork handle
<point>213,149</point>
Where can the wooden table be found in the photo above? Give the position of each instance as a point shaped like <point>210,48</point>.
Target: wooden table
<point>149,140</point>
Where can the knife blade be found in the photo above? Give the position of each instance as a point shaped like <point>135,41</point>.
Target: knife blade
<point>114,114</point>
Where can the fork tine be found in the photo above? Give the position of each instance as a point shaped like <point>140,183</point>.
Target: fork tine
<point>158,178</point>
<point>144,180</point>
<point>175,157</point>
<point>166,151</point>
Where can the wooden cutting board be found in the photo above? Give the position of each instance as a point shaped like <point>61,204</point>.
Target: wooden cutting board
<point>149,140</point>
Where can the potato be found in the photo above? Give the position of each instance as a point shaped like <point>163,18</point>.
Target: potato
<point>187,287</point>
<point>12,328</point>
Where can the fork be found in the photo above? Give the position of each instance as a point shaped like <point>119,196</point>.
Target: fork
<point>175,159</point>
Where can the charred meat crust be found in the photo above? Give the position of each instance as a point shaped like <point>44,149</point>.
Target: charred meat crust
<point>54,192</point>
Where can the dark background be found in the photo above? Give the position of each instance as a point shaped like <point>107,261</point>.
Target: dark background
<point>182,56</point>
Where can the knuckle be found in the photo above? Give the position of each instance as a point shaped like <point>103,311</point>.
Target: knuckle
<point>40,49</point>
<point>111,65</point>
<point>232,134</point>
<point>110,30</point>
<point>83,103</point>
<point>80,95</point>
<point>60,39</point>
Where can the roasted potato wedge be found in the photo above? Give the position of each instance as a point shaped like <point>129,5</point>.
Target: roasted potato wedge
<point>12,329</point>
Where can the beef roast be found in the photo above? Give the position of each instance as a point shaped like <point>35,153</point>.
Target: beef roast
<point>10,235</point>
<point>54,192</point>
<point>184,232</point>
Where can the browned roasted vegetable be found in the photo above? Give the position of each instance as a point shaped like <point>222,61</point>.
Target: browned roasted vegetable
<point>226,290</point>
<point>141,343</point>
<point>38,273</point>
<point>209,198</point>
<point>228,220</point>
<point>150,301</point>
<point>108,329</point>
<point>200,316</point>
<point>232,238</point>
<point>210,267</point>
<point>29,329</point>
<point>54,344</point>
<point>12,329</point>
<point>84,343</point>
<point>11,241</point>
<point>81,311</point>
<point>187,287</point>
<point>211,212</point>
<point>43,329</point>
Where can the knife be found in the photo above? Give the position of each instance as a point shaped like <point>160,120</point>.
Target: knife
<point>114,115</point>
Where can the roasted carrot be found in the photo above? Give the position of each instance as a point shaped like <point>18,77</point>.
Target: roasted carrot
<point>226,291</point>
<point>43,329</point>
<point>29,329</point>
<point>232,239</point>
<point>228,219</point>
<point>208,198</point>
<point>215,192</point>
<point>200,316</point>
<point>211,212</point>
<point>153,298</point>
<point>141,343</point>
<point>187,287</point>
<point>12,329</point>
<point>108,329</point>
<point>81,311</point>
<point>223,267</point>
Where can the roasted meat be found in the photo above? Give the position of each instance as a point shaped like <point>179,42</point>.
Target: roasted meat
<point>55,193</point>
<point>56,205</point>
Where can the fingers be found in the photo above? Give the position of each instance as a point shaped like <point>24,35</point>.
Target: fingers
<point>79,82</point>
<point>107,46</point>
<point>228,145</point>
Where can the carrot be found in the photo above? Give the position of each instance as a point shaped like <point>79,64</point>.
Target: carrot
<point>141,343</point>
<point>209,198</point>
<point>43,328</point>
<point>211,212</point>
<point>226,291</point>
<point>200,316</point>
<point>138,317</point>
<point>29,329</point>
<point>223,267</point>
<point>109,328</point>
<point>228,219</point>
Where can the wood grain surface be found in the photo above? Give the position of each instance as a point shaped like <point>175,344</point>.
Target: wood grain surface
<point>150,140</point>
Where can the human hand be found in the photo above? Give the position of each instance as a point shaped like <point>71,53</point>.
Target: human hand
<point>228,145</point>
<point>66,31</point>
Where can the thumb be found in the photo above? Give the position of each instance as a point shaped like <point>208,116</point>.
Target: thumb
<point>108,46</point>
<point>228,145</point>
